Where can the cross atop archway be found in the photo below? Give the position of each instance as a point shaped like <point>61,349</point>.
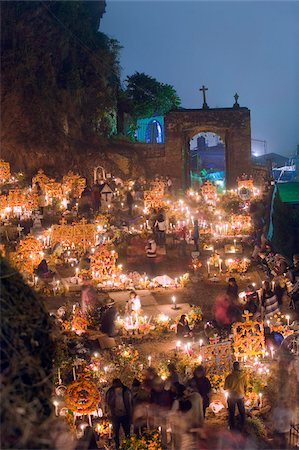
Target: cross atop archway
<point>203,89</point>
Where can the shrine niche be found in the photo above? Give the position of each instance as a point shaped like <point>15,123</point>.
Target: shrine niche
<point>248,338</point>
<point>106,195</point>
<point>245,188</point>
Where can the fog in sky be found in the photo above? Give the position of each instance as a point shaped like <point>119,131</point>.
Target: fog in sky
<point>248,47</point>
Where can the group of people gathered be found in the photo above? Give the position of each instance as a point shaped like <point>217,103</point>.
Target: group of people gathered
<point>173,404</point>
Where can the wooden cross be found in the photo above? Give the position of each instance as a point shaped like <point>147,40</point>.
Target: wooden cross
<point>203,89</point>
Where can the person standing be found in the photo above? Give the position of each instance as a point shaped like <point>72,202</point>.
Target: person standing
<point>235,385</point>
<point>203,386</point>
<point>130,201</point>
<point>195,235</point>
<point>151,253</point>
<point>119,404</point>
<point>160,227</point>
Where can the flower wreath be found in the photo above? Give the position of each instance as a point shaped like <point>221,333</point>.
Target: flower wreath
<point>82,396</point>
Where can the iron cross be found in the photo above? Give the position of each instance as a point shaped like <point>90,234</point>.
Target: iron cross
<point>203,89</point>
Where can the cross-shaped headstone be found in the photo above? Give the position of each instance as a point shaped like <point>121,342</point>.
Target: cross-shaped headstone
<point>203,89</point>
<point>247,315</point>
<point>215,339</point>
<point>19,228</point>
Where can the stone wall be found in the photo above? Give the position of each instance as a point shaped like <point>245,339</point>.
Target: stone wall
<point>231,124</point>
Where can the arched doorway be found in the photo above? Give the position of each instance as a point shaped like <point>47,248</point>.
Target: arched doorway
<point>154,134</point>
<point>207,159</point>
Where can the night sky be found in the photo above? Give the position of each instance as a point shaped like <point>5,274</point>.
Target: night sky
<point>248,47</point>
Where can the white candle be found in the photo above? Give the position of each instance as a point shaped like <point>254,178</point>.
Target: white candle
<point>208,264</point>
<point>272,352</point>
<point>55,403</point>
<point>110,430</point>
<point>173,301</point>
<point>235,241</point>
<point>260,398</point>
<point>89,420</point>
<point>200,342</point>
<point>178,345</point>
<point>288,320</point>
<point>59,376</point>
<point>220,267</point>
<point>149,361</point>
<point>74,373</point>
<point>199,359</point>
<point>226,396</point>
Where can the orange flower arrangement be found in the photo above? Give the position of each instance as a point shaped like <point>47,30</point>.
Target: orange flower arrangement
<point>28,255</point>
<point>103,263</point>
<point>79,321</point>
<point>82,396</point>
<point>72,182</point>
<point>4,170</point>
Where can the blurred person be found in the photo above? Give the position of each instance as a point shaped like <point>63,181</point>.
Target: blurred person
<point>269,301</point>
<point>282,418</point>
<point>88,441</point>
<point>203,386</point>
<point>293,273</point>
<point>195,235</point>
<point>235,385</point>
<point>160,228</point>
<point>130,201</point>
<point>182,327</point>
<point>191,393</point>
<point>252,300</point>
<point>173,376</point>
<point>232,289</point>
<point>119,405</point>
<point>151,253</point>
<point>182,235</point>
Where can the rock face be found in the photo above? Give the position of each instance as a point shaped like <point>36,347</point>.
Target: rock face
<point>59,80</point>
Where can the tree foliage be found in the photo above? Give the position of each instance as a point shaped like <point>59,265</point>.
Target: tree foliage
<point>147,97</point>
<point>55,57</point>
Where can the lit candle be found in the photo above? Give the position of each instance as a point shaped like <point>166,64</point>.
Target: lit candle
<point>288,320</point>
<point>235,241</point>
<point>220,268</point>
<point>173,301</point>
<point>55,403</point>
<point>273,285</point>
<point>74,373</point>
<point>110,430</point>
<point>59,376</point>
<point>199,359</point>
<point>149,358</point>
<point>178,345</point>
<point>272,352</point>
<point>208,264</point>
<point>260,399</point>
<point>200,342</point>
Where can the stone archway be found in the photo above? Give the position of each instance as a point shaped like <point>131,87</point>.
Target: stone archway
<point>231,124</point>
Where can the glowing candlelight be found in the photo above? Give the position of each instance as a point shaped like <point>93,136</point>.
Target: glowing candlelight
<point>174,302</point>
<point>288,320</point>
<point>178,345</point>
<point>235,241</point>
<point>56,403</point>
<point>110,430</point>
<point>74,373</point>
<point>260,399</point>
<point>208,264</point>
<point>199,359</point>
<point>220,265</point>
<point>149,358</point>
<point>200,342</point>
<point>272,352</point>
